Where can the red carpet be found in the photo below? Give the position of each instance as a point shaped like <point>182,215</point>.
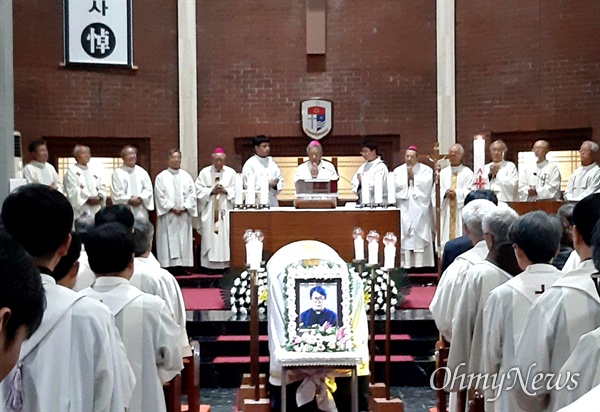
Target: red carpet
<point>419,297</point>
<point>202,299</point>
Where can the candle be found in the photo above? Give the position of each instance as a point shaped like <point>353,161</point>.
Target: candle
<point>359,243</point>
<point>389,250</point>
<point>258,251</point>
<point>378,195</point>
<point>373,247</point>
<point>248,234</point>
<point>239,189</point>
<point>264,190</point>
<point>391,189</point>
<point>365,194</point>
<point>478,154</point>
<point>250,192</point>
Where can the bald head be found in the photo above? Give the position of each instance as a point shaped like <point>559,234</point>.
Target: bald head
<point>541,149</point>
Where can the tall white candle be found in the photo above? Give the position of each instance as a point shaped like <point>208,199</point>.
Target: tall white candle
<point>391,189</point>
<point>264,190</point>
<point>389,256</point>
<point>250,191</point>
<point>378,192</point>
<point>359,248</point>
<point>373,253</point>
<point>478,154</point>
<point>239,189</point>
<point>256,247</point>
<point>365,193</point>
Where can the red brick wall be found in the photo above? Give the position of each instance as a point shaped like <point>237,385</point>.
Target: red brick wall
<point>527,65</point>
<point>53,101</point>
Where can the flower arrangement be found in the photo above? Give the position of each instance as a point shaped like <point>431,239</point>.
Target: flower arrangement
<point>321,338</point>
<point>380,290</point>
<point>240,293</point>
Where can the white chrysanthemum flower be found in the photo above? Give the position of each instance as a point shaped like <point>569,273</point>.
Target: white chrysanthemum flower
<point>236,282</point>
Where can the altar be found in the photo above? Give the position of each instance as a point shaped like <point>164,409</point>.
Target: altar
<point>283,225</point>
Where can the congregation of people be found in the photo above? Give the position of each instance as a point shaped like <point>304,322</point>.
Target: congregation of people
<point>102,322</point>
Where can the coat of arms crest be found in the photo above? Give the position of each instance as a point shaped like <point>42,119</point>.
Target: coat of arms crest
<point>317,118</point>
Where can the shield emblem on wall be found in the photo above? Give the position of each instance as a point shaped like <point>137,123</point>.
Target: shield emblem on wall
<point>317,116</point>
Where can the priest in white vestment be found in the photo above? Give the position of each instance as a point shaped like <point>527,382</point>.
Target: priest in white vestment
<point>585,180</point>
<point>76,360</point>
<point>39,170</point>
<point>456,181</point>
<point>150,335</point>
<point>587,403</point>
<point>85,275</point>
<point>500,175</point>
<point>215,188</point>
<point>506,308</point>
<point>557,319</point>
<point>83,185</point>
<point>414,184</point>
<point>374,167</point>
<point>131,184</point>
<point>315,167</point>
<point>499,266</point>
<point>176,205</point>
<point>151,278</point>
<point>539,181</point>
<point>262,166</point>
<point>446,295</point>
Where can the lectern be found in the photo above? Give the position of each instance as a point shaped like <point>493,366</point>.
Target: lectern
<point>316,194</point>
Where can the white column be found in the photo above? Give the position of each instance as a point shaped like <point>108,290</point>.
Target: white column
<point>446,81</point>
<point>7,113</point>
<point>188,92</point>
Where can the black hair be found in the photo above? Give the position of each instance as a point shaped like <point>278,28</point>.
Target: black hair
<point>596,246</point>
<point>115,213</point>
<point>21,288</point>
<point>38,217</point>
<point>537,234</point>
<point>67,261</point>
<point>109,248</point>
<point>260,139</point>
<point>585,216</point>
<point>482,194</point>
<point>369,144</point>
<point>83,224</point>
<point>320,290</point>
<point>34,145</point>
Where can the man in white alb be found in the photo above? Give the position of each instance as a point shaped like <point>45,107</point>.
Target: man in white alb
<point>215,188</point>
<point>262,165</point>
<point>456,181</point>
<point>315,167</point>
<point>585,180</point>
<point>39,170</point>
<point>373,166</point>
<point>540,181</point>
<point>175,196</point>
<point>83,185</point>
<point>500,175</point>
<point>414,183</point>
<point>131,184</point>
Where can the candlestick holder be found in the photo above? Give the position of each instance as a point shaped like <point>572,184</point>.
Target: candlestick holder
<point>359,265</point>
<point>372,268</point>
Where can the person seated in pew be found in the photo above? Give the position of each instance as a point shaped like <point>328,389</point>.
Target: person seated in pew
<point>65,272</point>
<point>315,167</point>
<point>507,305</point>
<point>150,335</point>
<point>586,353</point>
<point>455,247</point>
<point>446,295</point>
<point>557,319</point>
<point>499,266</point>
<point>22,300</point>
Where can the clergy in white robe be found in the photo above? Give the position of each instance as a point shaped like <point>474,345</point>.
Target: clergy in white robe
<point>83,185</point>
<point>585,180</point>
<point>506,308</point>
<point>176,205</point>
<point>572,262</point>
<point>539,181</point>
<point>587,403</point>
<point>456,181</point>
<point>446,295</point>
<point>584,361</point>
<point>501,176</point>
<point>150,278</point>
<point>85,276</point>
<point>262,166</point>
<point>315,167</point>
<point>150,335</point>
<point>75,361</point>
<point>39,170</point>
<point>480,279</point>
<point>215,188</point>
<point>414,183</point>
<point>131,185</point>
<point>374,167</point>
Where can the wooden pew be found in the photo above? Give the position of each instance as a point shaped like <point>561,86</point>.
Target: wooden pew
<point>441,360</point>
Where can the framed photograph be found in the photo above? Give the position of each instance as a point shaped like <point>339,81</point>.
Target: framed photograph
<point>318,302</point>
